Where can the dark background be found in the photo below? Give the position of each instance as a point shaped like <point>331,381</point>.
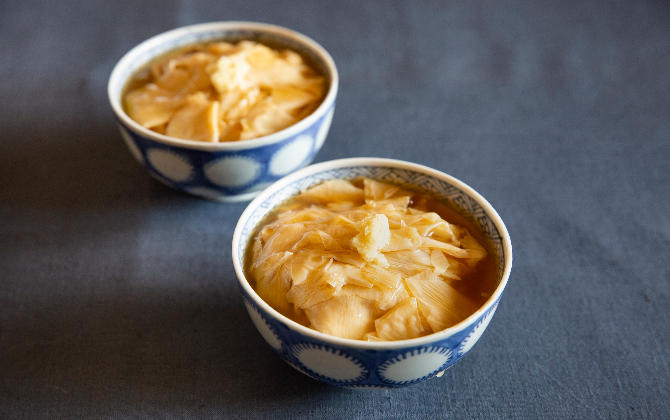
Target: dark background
<point>118,297</point>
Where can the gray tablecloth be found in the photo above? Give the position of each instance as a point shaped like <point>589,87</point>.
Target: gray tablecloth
<point>117,294</point>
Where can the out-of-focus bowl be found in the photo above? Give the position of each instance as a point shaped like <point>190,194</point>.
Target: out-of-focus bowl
<point>227,171</point>
<point>354,363</point>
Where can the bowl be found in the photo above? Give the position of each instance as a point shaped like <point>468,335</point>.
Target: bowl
<point>227,171</point>
<point>361,364</point>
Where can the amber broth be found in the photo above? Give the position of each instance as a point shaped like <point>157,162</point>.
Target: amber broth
<point>479,285</point>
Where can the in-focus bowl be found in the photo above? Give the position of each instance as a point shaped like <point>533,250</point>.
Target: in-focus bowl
<point>227,171</point>
<point>354,363</point>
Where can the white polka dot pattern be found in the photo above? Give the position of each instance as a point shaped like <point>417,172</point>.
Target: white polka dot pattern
<point>263,327</point>
<point>332,364</point>
<point>323,130</point>
<point>477,332</point>
<point>414,365</point>
<point>291,156</point>
<point>234,171</point>
<point>171,165</point>
<point>130,143</point>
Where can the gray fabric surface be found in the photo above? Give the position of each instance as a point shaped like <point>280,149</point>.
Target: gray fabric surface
<point>118,297</point>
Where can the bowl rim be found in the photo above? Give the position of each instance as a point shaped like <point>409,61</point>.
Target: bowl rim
<point>383,162</point>
<point>115,84</point>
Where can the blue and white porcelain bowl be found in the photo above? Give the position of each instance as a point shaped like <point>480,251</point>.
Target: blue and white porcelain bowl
<point>361,364</point>
<point>228,171</point>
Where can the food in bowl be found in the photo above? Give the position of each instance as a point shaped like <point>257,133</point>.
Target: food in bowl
<point>224,91</point>
<point>391,363</point>
<point>368,260</point>
<point>224,171</point>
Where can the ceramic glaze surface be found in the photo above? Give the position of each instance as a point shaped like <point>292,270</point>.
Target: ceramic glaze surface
<point>225,175</point>
<point>359,364</point>
<point>348,365</point>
